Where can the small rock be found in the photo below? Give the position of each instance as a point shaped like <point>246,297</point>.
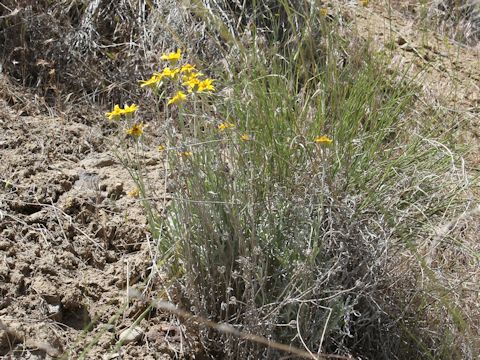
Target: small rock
<point>111,256</point>
<point>109,327</point>
<point>5,245</point>
<point>131,335</point>
<point>87,180</point>
<point>72,298</point>
<point>116,191</point>
<point>70,205</point>
<point>39,217</point>
<point>17,279</point>
<point>16,276</point>
<point>104,163</point>
<point>151,161</point>
<point>106,340</point>
<point>98,161</point>
<point>407,47</point>
<point>111,356</point>
<point>54,312</point>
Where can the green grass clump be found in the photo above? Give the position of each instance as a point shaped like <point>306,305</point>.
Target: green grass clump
<point>302,184</point>
<point>291,238</point>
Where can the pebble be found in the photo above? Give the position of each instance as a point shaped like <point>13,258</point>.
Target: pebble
<point>54,312</point>
<point>5,245</point>
<point>98,161</point>
<point>131,335</point>
<point>111,356</point>
<point>116,191</point>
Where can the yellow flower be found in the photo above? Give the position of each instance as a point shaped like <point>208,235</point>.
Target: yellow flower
<point>191,84</point>
<point>115,113</point>
<point>185,153</point>
<point>153,81</point>
<point>172,57</point>
<point>192,75</point>
<point>324,12</point>
<point>206,85</point>
<point>161,148</point>
<point>134,193</point>
<point>225,125</point>
<point>136,130</point>
<point>187,68</point>
<point>191,81</point>
<point>167,72</point>
<point>130,109</point>
<point>324,139</point>
<point>179,97</point>
<point>245,137</point>
<point>364,2</point>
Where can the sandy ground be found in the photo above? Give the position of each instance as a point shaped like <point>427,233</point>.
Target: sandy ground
<point>72,240</point>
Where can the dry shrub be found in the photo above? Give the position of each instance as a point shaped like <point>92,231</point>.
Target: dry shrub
<point>96,49</point>
<point>459,19</point>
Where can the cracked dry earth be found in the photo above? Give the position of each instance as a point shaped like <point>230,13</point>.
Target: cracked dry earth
<point>71,239</point>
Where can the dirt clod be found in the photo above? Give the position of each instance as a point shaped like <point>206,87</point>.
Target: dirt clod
<point>131,335</point>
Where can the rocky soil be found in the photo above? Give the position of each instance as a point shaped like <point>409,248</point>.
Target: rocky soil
<point>71,240</point>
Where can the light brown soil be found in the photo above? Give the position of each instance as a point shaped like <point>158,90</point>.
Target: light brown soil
<point>71,239</point>
<point>447,72</point>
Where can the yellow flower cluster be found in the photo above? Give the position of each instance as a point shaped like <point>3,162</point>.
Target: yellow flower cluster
<point>324,139</point>
<point>135,193</point>
<point>185,153</point>
<point>228,125</point>
<point>188,77</point>
<point>191,79</point>
<point>225,125</point>
<point>136,130</point>
<point>173,57</point>
<point>118,111</point>
<point>179,97</point>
